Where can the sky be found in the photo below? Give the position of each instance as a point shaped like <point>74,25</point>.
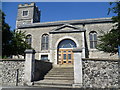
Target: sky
<point>59,11</point>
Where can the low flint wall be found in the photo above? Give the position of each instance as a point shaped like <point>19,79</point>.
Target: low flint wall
<point>100,73</point>
<point>12,72</point>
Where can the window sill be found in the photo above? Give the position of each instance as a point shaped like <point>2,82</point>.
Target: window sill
<point>92,50</point>
<point>43,51</point>
<point>45,60</point>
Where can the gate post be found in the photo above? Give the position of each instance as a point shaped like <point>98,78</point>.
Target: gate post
<point>77,68</point>
<point>29,66</point>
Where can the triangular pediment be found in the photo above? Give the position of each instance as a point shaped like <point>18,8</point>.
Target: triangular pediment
<point>66,28</point>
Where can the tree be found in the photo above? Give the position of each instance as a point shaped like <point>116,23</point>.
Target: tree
<point>6,36</point>
<point>110,41</point>
<point>13,42</point>
<point>18,43</point>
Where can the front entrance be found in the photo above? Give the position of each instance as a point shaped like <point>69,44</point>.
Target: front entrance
<point>65,56</point>
<point>65,53</point>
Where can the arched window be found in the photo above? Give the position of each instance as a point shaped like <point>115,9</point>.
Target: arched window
<point>67,43</point>
<point>45,42</point>
<point>29,39</point>
<point>93,39</point>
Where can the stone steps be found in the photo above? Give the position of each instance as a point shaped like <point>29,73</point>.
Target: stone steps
<point>57,77</point>
<point>53,86</point>
<point>54,83</point>
<point>44,85</point>
<point>62,71</point>
<point>62,68</point>
<point>65,73</point>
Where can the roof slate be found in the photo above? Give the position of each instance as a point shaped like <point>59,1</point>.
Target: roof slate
<point>71,22</point>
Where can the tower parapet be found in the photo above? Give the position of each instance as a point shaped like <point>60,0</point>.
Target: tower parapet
<point>26,5</point>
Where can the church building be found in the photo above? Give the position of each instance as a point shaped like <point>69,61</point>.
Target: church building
<point>56,41</point>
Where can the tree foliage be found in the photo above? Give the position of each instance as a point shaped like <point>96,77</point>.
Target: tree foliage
<point>18,43</point>
<point>13,42</point>
<point>6,37</point>
<point>109,42</point>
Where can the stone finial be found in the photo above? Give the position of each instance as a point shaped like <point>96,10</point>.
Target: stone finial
<point>32,3</point>
<point>26,4</point>
<point>20,5</point>
<point>30,51</point>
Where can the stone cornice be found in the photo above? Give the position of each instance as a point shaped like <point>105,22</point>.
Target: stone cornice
<point>72,22</point>
<point>68,31</point>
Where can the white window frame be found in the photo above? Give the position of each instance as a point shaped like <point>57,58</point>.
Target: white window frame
<point>40,54</point>
<point>93,41</point>
<point>30,43</point>
<point>46,44</point>
<point>25,15</point>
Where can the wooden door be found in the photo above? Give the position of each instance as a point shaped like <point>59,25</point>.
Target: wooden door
<point>65,56</point>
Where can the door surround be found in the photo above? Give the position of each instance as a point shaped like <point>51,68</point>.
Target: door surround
<point>64,52</point>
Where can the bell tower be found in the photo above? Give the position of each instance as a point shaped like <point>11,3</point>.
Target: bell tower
<point>27,14</point>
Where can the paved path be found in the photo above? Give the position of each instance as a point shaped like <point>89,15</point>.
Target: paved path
<point>37,88</point>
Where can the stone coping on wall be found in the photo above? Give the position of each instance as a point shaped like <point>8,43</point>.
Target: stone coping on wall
<point>12,59</point>
<point>100,59</point>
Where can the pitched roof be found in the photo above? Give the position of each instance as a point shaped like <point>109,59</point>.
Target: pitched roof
<point>72,22</point>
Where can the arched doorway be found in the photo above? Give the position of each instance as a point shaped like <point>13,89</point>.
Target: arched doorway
<point>65,54</point>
